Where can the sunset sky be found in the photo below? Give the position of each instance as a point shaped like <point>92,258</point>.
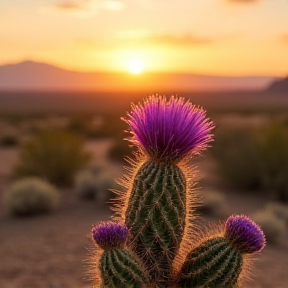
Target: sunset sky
<point>220,37</point>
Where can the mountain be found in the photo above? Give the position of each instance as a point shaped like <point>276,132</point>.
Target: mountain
<point>279,86</point>
<point>31,75</point>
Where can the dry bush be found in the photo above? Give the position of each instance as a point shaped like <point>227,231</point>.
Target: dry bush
<point>86,185</point>
<point>214,204</point>
<point>30,196</point>
<point>279,210</point>
<point>273,227</point>
<point>9,140</point>
<point>97,127</point>
<point>235,152</point>
<point>53,155</point>
<point>254,159</point>
<point>273,155</point>
<point>120,150</point>
<point>95,184</point>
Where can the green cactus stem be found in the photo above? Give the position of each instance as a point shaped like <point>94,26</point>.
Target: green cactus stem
<point>120,269</point>
<point>156,217</point>
<point>215,263</point>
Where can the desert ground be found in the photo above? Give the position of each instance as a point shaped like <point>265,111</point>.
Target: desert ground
<point>53,250</point>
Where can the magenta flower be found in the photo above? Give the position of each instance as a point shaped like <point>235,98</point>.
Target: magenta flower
<point>109,235</point>
<point>244,234</point>
<point>169,130</point>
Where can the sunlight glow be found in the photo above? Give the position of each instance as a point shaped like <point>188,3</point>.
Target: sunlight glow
<point>135,66</point>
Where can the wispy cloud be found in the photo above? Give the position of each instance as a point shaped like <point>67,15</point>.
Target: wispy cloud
<point>243,1</point>
<point>143,40</point>
<point>179,40</point>
<point>284,38</point>
<point>69,5</point>
<point>164,39</point>
<point>84,8</point>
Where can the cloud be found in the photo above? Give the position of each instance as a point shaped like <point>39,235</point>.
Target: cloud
<point>284,38</point>
<point>242,1</point>
<point>145,36</point>
<point>72,5</point>
<point>83,8</point>
<point>186,39</point>
<point>145,39</point>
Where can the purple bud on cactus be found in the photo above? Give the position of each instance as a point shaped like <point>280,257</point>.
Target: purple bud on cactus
<point>169,130</point>
<point>109,235</point>
<point>244,234</point>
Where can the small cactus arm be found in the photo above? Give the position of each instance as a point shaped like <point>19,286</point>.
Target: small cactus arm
<point>218,262</point>
<point>119,268</point>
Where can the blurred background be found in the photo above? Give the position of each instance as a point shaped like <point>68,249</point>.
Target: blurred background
<point>70,69</point>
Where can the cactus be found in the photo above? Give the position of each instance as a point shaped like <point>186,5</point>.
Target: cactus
<point>157,207</point>
<point>119,267</point>
<point>218,261</point>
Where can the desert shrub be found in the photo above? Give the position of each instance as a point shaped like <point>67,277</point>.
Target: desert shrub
<point>214,204</point>
<point>88,126</point>
<point>279,210</point>
<point>236,153</point>
<point>53,155</point>
<point>254,159</point>
<point>8,141</point>
<point>273,227</point>
<point>273,155</point>
<point>79,124</point>
<point>120,150</point>
<point>94,184</point>
<point>86,185</point>
<point>30,196</point>
<point>97,127</point>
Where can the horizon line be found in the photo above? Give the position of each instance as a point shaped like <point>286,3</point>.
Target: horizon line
<point>146,72</point>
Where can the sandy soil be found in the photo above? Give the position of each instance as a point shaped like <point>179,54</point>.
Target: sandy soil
<point>49,251</point>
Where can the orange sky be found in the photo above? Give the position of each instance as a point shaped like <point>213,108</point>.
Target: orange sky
<point>223,37</point>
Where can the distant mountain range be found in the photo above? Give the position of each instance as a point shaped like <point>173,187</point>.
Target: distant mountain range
<point>31,75</point>
<point>279,86</point>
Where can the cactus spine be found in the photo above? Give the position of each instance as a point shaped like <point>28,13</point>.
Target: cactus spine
<point>154,211</point>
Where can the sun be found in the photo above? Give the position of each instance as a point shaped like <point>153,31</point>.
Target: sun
<point>135,66</point>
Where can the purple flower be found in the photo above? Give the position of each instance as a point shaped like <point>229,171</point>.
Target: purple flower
<point>169,130</point>
<point>244,234</point>
<point>109,235</point>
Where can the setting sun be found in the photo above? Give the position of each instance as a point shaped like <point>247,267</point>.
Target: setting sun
<point>135,66</point>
